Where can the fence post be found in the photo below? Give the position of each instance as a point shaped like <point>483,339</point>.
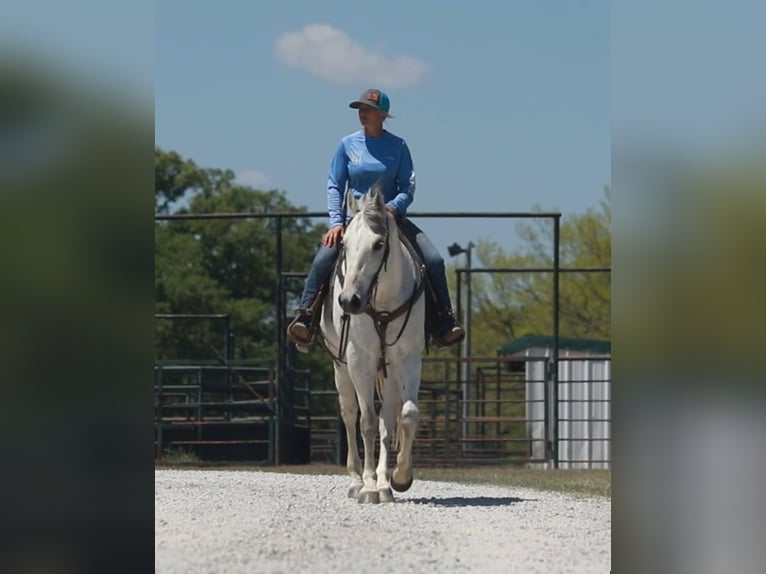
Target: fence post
<point>281,346</point>
<point>158,414</point>
<point>554,363</point>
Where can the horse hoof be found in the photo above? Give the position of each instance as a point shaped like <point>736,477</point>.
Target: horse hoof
<point>386,495</point>
<point>369,497</point>
<point>354,490</point>
<point>402,486</point>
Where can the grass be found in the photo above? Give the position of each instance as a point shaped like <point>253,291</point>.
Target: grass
<point>568,481</point>
<point>180,457</point>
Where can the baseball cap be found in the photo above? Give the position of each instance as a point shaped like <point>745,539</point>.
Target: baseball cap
<point>374,98</point>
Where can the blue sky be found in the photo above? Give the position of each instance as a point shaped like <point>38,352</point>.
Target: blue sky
<point>688,73</point>
<point>505,105</point>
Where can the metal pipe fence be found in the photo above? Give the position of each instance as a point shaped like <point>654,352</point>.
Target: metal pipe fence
<point>474,410</point>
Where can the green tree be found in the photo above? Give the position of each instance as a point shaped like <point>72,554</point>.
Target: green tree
<point>510,305</point>
<point>221,266</point>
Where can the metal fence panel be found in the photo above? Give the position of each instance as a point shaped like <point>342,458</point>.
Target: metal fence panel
<point>584,408</point>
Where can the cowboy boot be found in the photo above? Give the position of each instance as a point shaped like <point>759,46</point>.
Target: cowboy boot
<point>444,329</point>
<point>447,331</point>
<point>302,330</point>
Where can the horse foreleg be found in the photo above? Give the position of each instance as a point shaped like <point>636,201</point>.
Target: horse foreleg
<point>348,412</point>
<point>387,429</point>
<point>369,426</point>
<point>401,477</point>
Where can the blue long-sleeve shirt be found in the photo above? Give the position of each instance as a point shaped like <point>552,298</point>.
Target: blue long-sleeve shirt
<point>360,161</point>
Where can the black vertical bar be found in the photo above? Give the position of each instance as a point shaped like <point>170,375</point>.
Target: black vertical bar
<point>546,410</point>
<point>227,337</point>
<point>158,415</point>
<point>280,307</point>
<point>273,439</point>
<point>468,316</point>
<point>199,405</point>
<point>447,447</point>
<point>497,397</point>
<point>459,306</point>
<point>460,365</point>
<point>281,354</point>
<point>433,412</point>
<point>555,350</point>
<point>227,353</point>
<point>458,353</point>
<point>481,382</point>
<point>230,356</point>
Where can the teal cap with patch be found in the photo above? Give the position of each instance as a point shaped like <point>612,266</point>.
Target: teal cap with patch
<point>374,98</point>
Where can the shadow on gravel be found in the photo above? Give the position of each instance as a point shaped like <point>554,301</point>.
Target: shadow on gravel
<point>468,501</point>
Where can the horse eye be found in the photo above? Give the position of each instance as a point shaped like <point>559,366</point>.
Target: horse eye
<point>378,245</point>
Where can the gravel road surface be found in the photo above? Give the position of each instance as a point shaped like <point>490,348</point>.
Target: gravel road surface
<point>250,522</point>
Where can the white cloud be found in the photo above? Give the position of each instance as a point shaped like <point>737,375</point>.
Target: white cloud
<point>253,178</point>
<point>331,55</point>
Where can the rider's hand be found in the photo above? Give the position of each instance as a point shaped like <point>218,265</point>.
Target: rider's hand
<point>333,235</point>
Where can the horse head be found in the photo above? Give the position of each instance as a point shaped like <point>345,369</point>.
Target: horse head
<point>366,248</point>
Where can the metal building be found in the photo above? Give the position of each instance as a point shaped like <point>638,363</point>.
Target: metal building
<point>583,417</point>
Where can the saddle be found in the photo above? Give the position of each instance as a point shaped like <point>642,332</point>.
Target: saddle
<point>316,307</point>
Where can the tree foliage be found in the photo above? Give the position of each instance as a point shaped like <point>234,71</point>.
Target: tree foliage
<point>223,266</point>
<point>509,305</point>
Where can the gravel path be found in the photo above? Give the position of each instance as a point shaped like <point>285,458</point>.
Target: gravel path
<point>253,522</point>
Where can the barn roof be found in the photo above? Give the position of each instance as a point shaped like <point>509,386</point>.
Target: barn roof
<point>530,341</point>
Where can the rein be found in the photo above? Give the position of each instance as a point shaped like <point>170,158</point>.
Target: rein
<point>381,320</point>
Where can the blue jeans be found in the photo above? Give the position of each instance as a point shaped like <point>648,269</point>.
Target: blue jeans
<point>326,256</point>
<point>320,271</point>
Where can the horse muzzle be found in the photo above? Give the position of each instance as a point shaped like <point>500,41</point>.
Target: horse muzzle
<point>351,304</point>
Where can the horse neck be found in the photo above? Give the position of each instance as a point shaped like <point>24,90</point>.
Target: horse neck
<point>397,280</point>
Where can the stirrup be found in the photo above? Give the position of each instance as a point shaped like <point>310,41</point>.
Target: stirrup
<point>452,337</point>
<point>454,332</point>
<point>299,331</point>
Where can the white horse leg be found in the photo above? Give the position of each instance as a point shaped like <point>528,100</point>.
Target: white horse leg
<point>369,426</point>
<point>387,429</point>
<point>348,412</point>
<point>368,421</point>
<point>401,477</point>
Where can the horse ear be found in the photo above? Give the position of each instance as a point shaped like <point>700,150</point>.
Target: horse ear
<point>352,204</point>
<point>376,196</point>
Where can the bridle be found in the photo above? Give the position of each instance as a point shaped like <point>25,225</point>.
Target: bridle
<point>381,319</point>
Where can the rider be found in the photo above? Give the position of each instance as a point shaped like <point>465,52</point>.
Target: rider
<point>363,158</point>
